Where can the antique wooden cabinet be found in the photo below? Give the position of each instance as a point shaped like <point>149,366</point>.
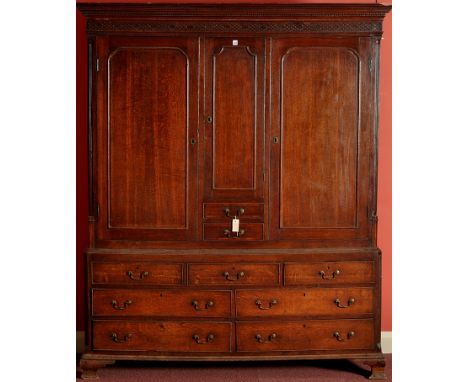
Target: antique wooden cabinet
<point>232,172</point>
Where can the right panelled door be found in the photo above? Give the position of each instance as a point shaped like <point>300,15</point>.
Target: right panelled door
<point>322,164</point>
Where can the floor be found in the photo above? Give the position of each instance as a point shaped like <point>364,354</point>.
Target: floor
<point>296,371</point>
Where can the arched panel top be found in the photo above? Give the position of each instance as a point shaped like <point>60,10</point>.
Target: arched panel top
<point>250,50</point>
<point>293,49</point>
<point>123,48</point>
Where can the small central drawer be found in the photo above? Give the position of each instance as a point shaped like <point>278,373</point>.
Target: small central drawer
<point>161,303</point>
<point>136,273</point>
<point>222,231</point>
<point>218,212</point>
<point>305,335</point>
<point>304,302</point>
<point>162,336</point>
<point>233,274</point>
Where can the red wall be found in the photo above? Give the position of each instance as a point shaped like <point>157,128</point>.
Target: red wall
<point>385,155</point>
<point>384,200</point>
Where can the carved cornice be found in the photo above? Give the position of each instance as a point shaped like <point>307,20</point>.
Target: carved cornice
<point>109,26</point>
<point>234,11</point>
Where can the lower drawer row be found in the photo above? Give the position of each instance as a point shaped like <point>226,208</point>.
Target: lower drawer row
<point>248,303</point>
<point>161,336</point>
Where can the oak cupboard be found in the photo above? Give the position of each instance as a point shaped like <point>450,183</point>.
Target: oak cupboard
<point>233,167</point>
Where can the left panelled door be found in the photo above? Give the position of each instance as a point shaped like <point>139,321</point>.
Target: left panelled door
<point>147,99</point>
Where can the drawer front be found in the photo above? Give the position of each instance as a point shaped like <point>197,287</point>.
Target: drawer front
<point>137,273</point>
<point>252,212</point>
<point>233,274</point>
<point>222,231</point>
<point>329,272</point>
<point>162,303</point>
<point>304,302</point>
<point>305,335</point>
<point>162,336</point>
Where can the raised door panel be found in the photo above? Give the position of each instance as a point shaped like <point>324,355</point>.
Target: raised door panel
<point>319,111</point>
<point>148,93</point>
<point>320,173</point>
<point>234,99</point>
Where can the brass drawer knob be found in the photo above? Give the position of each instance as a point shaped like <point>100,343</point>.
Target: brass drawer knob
<point>227,212</point>
<point>271,338</point>
<point>271,303</point>
<point>116,306</point>
<point>209,338</point>
<point>238,276</point>
<point>115,338</point>
<point>142,275</point>
<point>196,305</point>
<point>351,301</point>
<point>329,277</point>
<point>234,235</point>
<point>338,337</point>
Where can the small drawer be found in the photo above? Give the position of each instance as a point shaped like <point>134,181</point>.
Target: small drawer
<point>304,302</point>
<point>329,272</point>
<point>161,303</point>
<point>136,273</point>
<point>222,231</point>
<point>162,336</point>
<point>233,274</point>
<point>305,335</point>
<point>251,212</point>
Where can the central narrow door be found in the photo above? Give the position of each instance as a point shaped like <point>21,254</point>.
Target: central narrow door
<point>234,119</point>
<point>234,137</point>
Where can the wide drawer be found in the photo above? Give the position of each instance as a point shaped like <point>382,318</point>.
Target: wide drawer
<point>252,212</point>
<point>222,231</point>
<point>136,273</point>
<point>304,302</point>
<point>162,303</point>
<point>162,336</point>
<point>305,335</point>
<point>233,274</point>
<point>329,272</point>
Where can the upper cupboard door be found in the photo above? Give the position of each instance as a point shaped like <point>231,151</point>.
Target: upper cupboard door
<point>234,118</point>
<point>147,101</point>
<point>321,140</point>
